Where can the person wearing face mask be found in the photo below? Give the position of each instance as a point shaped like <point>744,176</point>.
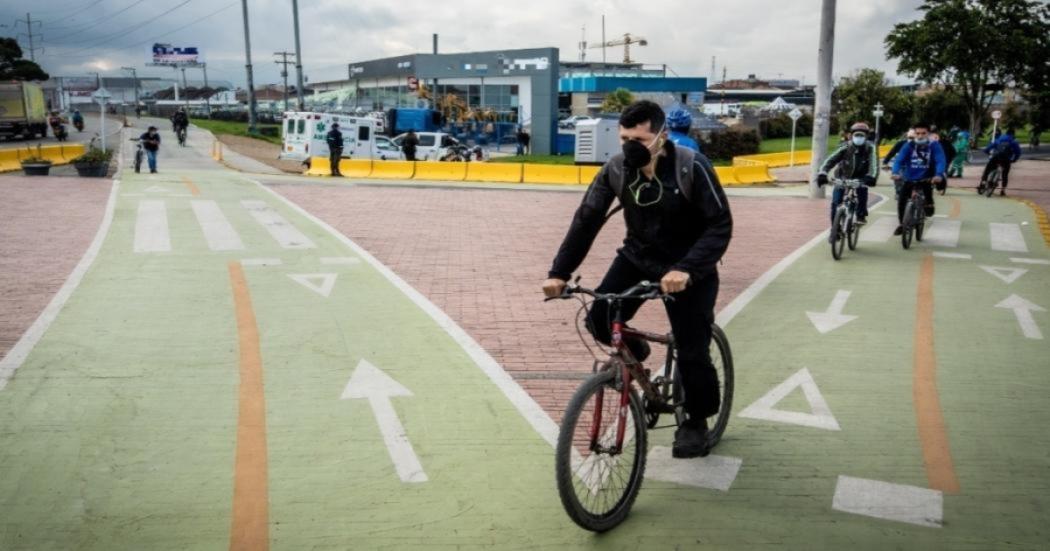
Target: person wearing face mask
<point>887,161</point>
<point>856,159</point>
<point>920,163</point>
<point>949,157</point>
<point>678,227</point>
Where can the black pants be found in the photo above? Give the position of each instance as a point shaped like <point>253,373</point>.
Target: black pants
<point>410,155</point>
<point>691,314</point>
<point>905,196</point>
<point>334,155</point>
<point>1002,163</point>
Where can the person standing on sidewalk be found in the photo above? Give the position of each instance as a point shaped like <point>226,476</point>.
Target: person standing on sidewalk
<point>335,148</point>
<point>409,145</point>
<point>151,144</point>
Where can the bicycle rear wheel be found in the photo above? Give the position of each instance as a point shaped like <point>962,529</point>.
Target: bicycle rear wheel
<point>993,182</point>
<point>597,488</point>
<point>138,160</point>
<point>722,360</point>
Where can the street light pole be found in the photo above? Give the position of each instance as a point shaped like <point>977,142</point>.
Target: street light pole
<point>185,87</point>
<point>822,110</point>
<point>878,112</point>
<point>299,90</point>
<point>248,69</point>
<point>207,91</point>
<point>135,76</point>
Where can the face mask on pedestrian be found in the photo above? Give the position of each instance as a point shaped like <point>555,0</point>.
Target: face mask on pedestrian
<point>637,155</point>
<point>859,139</point>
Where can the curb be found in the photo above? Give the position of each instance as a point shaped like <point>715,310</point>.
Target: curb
<point>1041,218</point>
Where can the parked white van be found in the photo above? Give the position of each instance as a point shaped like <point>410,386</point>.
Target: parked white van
<point>305,136</point>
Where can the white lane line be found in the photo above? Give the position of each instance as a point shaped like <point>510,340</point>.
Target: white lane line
<point>888,501</point>
<point>151,227</point>
<point>1039,261</point>
<point>716,472</point>
<point>879,231</point>
<point>959,256</point>
<point>943,233</point>
<point>261,262</point>
<point>518,397</point>
<point>284,233</point>
<point>339,260</point>
<point>18,353</point>
<point>218,231</point>
<point>1007,237</point>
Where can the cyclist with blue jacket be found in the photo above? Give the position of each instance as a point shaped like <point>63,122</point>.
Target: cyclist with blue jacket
<point>920,163</point>
<point>1004,151</point>
<point>679,122</point>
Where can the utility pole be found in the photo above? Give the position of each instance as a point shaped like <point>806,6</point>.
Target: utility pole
<point>299,89</point>
<point>135,76</point>
<point>284,73</point>
<point>207,90</point>
<point>29,29</point>
<point>248,68</point>
<point>822,109</point>
<point>185,87</point>
<point>603,38</point>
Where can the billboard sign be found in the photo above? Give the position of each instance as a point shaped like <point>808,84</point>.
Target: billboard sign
<point>166,54</point>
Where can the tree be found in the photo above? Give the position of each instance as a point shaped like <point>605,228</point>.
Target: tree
<point>13,67</point>
<point>855,97</point>
<point>617,100</point>
<point>973,47</point>
<point>942,107</point>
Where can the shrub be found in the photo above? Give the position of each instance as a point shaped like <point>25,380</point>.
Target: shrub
<point>731,143</point>
<point>780,126</point>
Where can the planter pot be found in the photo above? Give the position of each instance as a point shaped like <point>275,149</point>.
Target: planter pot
<point>36,169</point>
<point>92,170</point>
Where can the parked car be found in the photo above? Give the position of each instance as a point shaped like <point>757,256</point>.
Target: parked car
<point>432,145</point>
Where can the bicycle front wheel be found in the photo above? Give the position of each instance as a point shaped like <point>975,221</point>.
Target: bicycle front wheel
<point>597,484</point>
<point>838,232</point>
<point>907,223</point>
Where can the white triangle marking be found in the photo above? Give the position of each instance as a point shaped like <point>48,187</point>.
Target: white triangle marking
<point>1008,275</point>
<point>819,418</point>
<point>321,284</point>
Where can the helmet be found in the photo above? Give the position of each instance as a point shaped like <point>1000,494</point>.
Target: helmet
<point>679,118</point>
<point>859,127</point>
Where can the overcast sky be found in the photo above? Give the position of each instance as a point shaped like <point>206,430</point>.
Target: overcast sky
<point>770,38</point>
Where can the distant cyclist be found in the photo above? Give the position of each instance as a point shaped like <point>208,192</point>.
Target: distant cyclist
<point>920,163</point>
<point>856,159</point>
<point>887,161</point>
<point>1003,152</point>
<point>179,123</point>
<point>680,122</point>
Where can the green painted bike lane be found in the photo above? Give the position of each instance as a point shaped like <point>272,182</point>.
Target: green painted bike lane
<point>990,381</point>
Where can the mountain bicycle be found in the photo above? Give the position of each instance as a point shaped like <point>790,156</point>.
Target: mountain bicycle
<point>602,444</point>
<point>180,134</point>
<point>845,228</point>
<point>987,187</point>
<point>140,154</point>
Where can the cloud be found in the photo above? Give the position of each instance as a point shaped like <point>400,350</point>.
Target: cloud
<point>769,38</point>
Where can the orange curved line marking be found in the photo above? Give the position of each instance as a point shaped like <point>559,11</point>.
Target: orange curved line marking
<point>956,208</point>
<point>936,452</point>
<point>191,186</point>
<point>250,524</point>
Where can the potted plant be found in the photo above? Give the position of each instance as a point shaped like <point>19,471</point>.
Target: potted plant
<point>36,164</point>
<point>94,163</point>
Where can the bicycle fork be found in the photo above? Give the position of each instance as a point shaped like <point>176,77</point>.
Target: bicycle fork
<point>623,407</point>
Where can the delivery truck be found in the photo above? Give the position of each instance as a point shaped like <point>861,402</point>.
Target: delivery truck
<point>23,112</point>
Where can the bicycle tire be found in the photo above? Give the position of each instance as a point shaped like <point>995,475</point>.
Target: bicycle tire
<point>920,226</point>
<point>853,236</point>
<point>838,240</point>
<point>907,223</point>
<point>138,161</point>
<point>564,463</point>
<point>993,182</point>
<point>715,427</point>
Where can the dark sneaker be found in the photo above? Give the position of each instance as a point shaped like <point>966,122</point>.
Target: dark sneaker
<point>899,230</point>
<point>690,440</point>
<point>861,220</point>
<point>1002,192</point>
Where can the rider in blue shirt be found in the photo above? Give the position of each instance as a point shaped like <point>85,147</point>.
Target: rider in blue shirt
<point>1004,151</point>
<point>920,163</point>
<point>679,122</point>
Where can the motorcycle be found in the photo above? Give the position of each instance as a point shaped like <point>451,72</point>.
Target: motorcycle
<point>59,130</point>
<point>79,124</point>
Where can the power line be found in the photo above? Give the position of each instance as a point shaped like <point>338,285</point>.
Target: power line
<point>113,36</point>
<point>85,8</point>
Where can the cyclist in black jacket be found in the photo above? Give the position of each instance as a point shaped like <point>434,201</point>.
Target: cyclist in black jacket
<point>677,231</point>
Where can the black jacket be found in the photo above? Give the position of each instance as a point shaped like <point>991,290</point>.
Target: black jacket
<point>672,234</point>
<point>150,143</point>
<point>851,162</point>
<point>334,139</point>
<point>888,159</point>
<point>409,144</point>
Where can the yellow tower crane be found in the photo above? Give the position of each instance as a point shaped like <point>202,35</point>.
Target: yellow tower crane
<point>626,42</point>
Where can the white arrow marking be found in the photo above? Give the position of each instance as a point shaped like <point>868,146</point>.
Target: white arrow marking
<point>833,318</point>
<point>321,284</point>
<point>820,418</point>
<point>1023,310</point>
<point>1008,275</point>
<point>368,382</point>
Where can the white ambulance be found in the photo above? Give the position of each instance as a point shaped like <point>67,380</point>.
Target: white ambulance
<point>305,136</point>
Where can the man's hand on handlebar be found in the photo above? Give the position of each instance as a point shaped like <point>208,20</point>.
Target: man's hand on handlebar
<point>553,287</point>
<point>937,179</point>
<point>674,281</point>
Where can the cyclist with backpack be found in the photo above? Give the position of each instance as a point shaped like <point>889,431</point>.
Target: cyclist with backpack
<point>680,122</point>
<point>856,159</point>
<point>678,228</point>
<point>1003,152</point>
<point>920,163</point>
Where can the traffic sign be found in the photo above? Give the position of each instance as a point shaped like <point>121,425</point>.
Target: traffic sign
<point>101,95</point>
<point>795,114</point>
<point>997,115</point>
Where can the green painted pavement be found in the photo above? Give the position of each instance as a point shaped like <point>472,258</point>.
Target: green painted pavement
<point>119,430</point>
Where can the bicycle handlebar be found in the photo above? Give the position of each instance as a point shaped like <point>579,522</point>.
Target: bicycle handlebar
<point>847,183</point>
<point>645,290</point>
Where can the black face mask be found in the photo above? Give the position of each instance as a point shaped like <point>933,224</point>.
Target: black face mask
<point>635,155</point>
